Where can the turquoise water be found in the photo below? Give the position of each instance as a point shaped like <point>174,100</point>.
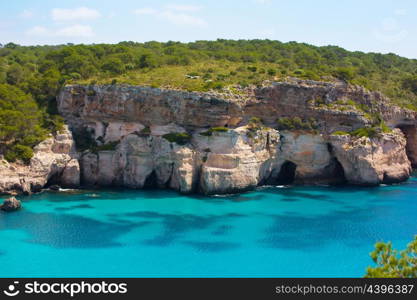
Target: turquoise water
<point>271,232</point>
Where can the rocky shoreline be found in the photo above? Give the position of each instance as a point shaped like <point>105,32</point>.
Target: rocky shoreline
<point>55,160</point>
<point>215,143</point>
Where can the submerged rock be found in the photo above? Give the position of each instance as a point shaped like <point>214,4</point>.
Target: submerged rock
<point>11,204</point>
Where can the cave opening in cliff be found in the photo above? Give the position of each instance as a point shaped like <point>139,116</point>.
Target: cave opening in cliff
<point>337,173</point>
<point>53,180</point>
<point>410,133</point>
<point>151,181</point>
<point>287,173</point>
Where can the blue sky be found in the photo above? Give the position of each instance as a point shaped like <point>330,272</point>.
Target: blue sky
<point>365,25</point>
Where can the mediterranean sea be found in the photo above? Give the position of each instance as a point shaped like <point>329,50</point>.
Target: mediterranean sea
<point>299,231</point>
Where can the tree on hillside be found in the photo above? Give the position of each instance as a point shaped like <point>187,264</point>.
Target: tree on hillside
<point>148,61</point>
<point>391,263</point>
<point>14,74</point>
<point>20,123</point>
<point>344,73</point>
<point>410,82</point>
<point>113,65</point>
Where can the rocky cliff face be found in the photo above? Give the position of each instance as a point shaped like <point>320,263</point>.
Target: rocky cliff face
<point>220,163</point>
<point>55,161</point>
<point>372,161</point>
<point>112,111</point>
<point>135,120</point>
<point>127,127</point>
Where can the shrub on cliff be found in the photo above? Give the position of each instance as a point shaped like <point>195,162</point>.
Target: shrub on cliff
<point>391,263</point>
<point>214,129</point>
<point>145,132</point>
<point>213,85</point>
<point>255,128</point>
<point>365,132</point>
<point>272,72</point>
<point>344,73</point>
<point>180,138</point>
<point>369,132</point>
<point>410,82</point>
<point>111,146</point>
<point>219,129</point>
<point>19,152</point>
<point>340,133</point>
<point>296,123</point>
<point>254,125</point>
<point>255,121</point>
<point>384,127</point>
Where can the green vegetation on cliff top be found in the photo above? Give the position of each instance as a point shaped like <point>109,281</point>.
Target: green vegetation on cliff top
<point>34,74</point>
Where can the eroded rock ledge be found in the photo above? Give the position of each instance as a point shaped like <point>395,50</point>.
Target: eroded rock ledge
<point>128,127</point>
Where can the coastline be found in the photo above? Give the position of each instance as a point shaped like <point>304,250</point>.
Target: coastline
<point>301,131</point>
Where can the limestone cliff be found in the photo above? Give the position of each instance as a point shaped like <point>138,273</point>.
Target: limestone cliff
<point>136,119</point>
<point>112,111</point>
<point>128,131</point>
<point>55,161</point>
<point>372,161</point>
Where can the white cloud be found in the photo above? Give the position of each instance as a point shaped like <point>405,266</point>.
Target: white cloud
<point>69,31</point>
<point>26,14</point>
<point>175,14</point>
<point>75,31</point>
<point>182,19</point>
<point>188,8</point>
<point>145,11</point>
<point>263,1</point>
<point>80,13</point>
<point>37,30</point>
